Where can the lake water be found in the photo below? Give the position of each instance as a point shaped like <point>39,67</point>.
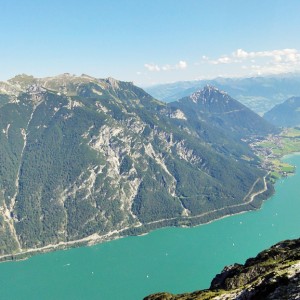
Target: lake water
<point>170,259</point>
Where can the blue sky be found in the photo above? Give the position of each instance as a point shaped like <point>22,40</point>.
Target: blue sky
<point>149,42</point>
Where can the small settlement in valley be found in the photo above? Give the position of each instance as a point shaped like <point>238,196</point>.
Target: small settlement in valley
<point>271,150</point>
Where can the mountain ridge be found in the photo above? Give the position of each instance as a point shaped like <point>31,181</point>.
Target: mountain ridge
<point>90,159</point>
<point>258,93</point>
<point>218,108</point>
<point>286,114</point>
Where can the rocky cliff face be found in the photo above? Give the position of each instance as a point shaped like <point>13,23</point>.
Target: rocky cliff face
<point>82,157</point>
<point>272,274</point>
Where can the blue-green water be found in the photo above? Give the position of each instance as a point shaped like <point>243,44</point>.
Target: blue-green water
<point>170,259</point>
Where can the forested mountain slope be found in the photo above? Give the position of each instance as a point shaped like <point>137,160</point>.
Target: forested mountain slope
<point>286,114</point>
<point>81,156</point>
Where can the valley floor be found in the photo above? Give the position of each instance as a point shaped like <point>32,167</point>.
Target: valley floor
<point>274,147</point>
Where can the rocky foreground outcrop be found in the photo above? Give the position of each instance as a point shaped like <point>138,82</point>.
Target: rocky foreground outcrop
<point>272,274</point>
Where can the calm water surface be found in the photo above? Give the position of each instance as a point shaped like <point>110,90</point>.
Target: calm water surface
<point>171,259</point>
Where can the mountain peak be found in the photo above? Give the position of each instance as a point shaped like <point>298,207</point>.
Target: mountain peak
<point>22,80</point>
<point>208,92</point>
<point>218,108</point>
<point>65,83</point>
<point>210,88</point>
<point>113,82</point>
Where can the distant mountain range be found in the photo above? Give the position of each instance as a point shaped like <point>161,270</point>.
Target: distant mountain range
<point>286,114</point>
<point>85,159</point>
<point>258,93</point>
<point>216,108</point>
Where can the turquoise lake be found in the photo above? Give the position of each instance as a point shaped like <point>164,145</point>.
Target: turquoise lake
<point>172,259</point>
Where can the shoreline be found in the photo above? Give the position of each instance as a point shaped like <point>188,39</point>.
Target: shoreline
<point>162,223</point>
<point>116,234</point>
<point>289,155</point>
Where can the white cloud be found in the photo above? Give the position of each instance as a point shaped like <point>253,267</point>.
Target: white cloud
<point>152,67</point>
<point>240,55</point>
<point>287,55</point>
<point>221,60</point>
<point>181,65</point>
<point>277,58</point>
<point>166,68</point>
<point>272,68</point>
<point>257,62</point>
